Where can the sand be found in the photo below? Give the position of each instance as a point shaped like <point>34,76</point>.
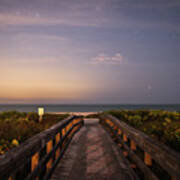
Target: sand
<point>76,113</point>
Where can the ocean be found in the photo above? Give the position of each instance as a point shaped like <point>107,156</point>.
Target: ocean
<point>84,107</point>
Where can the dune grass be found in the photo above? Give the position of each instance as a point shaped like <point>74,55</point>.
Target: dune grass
<point>16,127</point>
<point>163,126</point>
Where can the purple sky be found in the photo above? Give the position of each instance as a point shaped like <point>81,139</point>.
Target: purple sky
<point>93,51</point>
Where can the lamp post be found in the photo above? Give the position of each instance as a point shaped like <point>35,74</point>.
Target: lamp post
<point>40,113</point>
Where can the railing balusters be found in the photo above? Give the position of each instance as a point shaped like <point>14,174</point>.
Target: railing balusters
<point>57,141</point>
<point>34,161</point>
<point>49,147</point>
<point>63,132</point>
<point>133,145</point>
<point>125,139</point>
<point>147,159</point>
<point>119,131</point>
<point>140,143</point>
<point>36,158</point>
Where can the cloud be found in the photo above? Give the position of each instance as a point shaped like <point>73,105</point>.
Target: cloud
<point>95,13</point>
<point>11,61</point>
<point>36,19</point>
<point>37,37</point>
<point>149,87</point>
<point>103,58</point>
<point>149,90</point>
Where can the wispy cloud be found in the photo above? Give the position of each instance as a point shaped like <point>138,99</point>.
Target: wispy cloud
<point>106,59</point>
<point>10,61</point>
<point>92,14</point>
<point>23,20</point>
<point>37,37</point>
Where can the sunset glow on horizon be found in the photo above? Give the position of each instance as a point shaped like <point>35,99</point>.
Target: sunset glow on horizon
<point>98,51</point>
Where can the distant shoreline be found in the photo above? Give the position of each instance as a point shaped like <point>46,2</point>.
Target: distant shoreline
<point>85,108</point>
<point>75,113</point>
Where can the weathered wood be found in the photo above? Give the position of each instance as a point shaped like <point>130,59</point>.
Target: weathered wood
<point>147,159</point>
<point>133,145</point>
<point>78,126</point>
<point>47,157</point>
<point>128,152</point>
<point>168,159</point>
<point>92,155</point>
<point>63,132</point>
<point>146,171</point>
<point>49,148</point>
<point>57,141</point>
<point>125,153</point>
<point>119,131</point>
<point>175,178</point>
<point>34,161</point>
<point>11,161</point>
<point>125,139</point>
<point>133,166</point>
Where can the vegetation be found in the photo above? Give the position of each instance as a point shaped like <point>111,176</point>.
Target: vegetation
<point>95,115</point>
<point>16,127</point>
<point>163,126</point>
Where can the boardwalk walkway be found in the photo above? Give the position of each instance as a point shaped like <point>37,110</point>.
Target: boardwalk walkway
<point>92,156</point>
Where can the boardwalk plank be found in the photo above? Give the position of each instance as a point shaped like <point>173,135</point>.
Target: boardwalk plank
<point>92,156</point>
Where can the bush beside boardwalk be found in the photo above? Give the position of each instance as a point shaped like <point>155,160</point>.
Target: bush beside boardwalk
<point>163,126</point>
<point>16,127</point>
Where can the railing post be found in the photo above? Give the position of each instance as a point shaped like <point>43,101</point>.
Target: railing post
<point>49,147</point>
<point>34,162</point>
<point>119,131</point>
<point>34,152</point>
<point>125,139</point>
<point>58,149</point>
<point>63,135</point>
<point>133,145</point>
<point>63,132</point>
<point>147,159</point>
<point>67,128</point>
<point>74,121</point>
<point>125,153</point>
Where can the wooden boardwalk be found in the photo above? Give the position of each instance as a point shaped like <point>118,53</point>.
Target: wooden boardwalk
<point>92,155</point>
<point>80,149</point>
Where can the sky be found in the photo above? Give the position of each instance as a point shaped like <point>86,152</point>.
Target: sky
<point>90,51</point>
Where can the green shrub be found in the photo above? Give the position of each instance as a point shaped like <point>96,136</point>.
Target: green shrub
<point>32,116</point>
<point>16,127</point>
<point>161,125</point>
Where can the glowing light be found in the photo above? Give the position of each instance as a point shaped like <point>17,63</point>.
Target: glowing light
<point>41,111</point>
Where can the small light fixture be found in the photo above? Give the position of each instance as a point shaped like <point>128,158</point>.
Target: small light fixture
<point>40,113</point>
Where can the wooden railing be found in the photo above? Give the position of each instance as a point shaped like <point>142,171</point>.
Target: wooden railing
<point>36,158</point>
<point>149,158</point>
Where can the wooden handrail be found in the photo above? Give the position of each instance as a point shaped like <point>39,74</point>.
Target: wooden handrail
<point>39,153</point>
<point>168,159</point>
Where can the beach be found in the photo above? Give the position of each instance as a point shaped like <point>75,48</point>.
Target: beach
<point>76,113</point>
